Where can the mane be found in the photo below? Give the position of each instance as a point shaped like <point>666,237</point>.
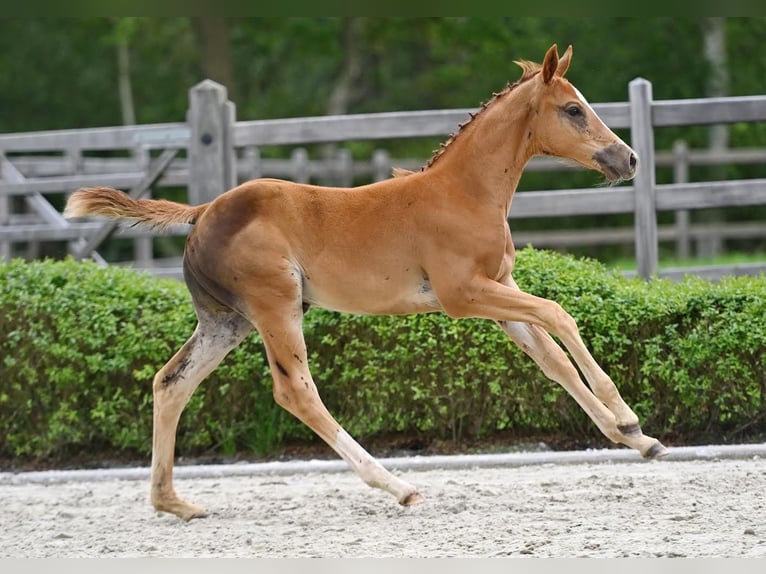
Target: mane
<point>529,69</point>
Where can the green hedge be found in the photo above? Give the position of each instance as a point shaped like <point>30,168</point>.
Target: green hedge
<point>80,344</point>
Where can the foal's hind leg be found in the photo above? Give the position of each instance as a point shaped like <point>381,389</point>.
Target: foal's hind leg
<point>216,334</point>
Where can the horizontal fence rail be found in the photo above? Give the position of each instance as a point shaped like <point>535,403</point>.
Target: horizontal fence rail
<point>214,152</point>
<point>107,138</point>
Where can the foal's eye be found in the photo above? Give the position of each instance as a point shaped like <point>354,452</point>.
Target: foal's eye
<point>574,111</point>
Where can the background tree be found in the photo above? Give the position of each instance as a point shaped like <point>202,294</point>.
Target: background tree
<point>62,73</point>
<point>123,31</point>
<point>212,37</point>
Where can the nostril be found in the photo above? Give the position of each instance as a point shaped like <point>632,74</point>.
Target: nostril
<point>633,161</point>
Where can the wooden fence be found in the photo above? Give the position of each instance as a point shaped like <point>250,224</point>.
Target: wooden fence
<point>211,152</point>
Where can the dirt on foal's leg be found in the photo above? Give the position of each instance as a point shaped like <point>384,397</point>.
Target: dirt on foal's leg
<point>216,334</point>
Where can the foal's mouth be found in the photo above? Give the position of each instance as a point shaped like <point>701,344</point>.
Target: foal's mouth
<point>612,175</point>
<point>617,162</point>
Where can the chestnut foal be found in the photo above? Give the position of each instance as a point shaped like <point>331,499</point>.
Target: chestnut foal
<point>262,253</point>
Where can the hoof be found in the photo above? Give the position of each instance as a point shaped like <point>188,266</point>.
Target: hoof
<point>181,509</point>
<point>197,514</point>
<point>657,450</point>
<point>630,430</point>
<point>411,499</point>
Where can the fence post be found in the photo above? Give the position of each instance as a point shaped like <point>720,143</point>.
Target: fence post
<point>212,163</point>
<point>642,141</point>
<point>381,165</point>
<point>299,159</point>
<point>5,218</point>
<point>252,162</point>
<point>345,165</point>
<point>681,175</point>
<point>143,247</point>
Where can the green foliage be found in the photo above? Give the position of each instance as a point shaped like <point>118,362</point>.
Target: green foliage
<point>62,73</point>
<point>80,345</point>
<point>688,356</point>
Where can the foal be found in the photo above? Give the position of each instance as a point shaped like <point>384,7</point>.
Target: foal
<point>262,253</point>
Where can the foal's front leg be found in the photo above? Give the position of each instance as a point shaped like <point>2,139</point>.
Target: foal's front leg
<point>279,322</point>
<point>541,347</point>
<point>601,384</point>
<point>512,308</point>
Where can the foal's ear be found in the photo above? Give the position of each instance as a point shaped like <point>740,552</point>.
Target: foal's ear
<point>564,62</point>
<point>550,63</point>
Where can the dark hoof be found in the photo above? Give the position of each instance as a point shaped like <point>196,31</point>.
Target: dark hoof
<point>656,451</point>
<point>411,499</point>
<point>630,430</point>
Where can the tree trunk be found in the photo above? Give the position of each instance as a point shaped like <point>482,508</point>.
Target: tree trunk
<point>123,29</point>
<point>718,81</point>
<point>212,34</point>
<point>714,32</point>
<point>124,84</point>
<point>351,69</point>
<point>343,92</point>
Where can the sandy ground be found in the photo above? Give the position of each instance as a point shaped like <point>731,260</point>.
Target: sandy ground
<point>691,508</point>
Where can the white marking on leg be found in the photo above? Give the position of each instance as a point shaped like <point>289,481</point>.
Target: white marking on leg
<point>369,469</point>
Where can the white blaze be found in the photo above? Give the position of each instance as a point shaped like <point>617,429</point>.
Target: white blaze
<point>583,100</point>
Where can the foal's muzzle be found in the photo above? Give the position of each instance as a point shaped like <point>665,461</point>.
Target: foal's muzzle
<point>617,161</point>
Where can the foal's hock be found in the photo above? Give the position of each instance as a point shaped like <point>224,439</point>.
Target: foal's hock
<point>262,253</point>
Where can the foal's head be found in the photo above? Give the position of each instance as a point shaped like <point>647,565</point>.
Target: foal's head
<point>566,126</point>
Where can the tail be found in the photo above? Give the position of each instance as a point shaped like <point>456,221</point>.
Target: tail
<point>109,202</point>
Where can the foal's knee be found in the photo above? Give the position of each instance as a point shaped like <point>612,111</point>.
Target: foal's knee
<point>559,321</point>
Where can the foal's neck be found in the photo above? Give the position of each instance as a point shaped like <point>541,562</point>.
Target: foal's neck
<point>486,158</point>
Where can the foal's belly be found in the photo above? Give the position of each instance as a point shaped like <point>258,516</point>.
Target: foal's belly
<point>375,295</point>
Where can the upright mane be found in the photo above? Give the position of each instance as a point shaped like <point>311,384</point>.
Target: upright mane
<point>529,69</point>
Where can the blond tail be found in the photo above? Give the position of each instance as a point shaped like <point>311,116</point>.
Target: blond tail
<point>109,202</point>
